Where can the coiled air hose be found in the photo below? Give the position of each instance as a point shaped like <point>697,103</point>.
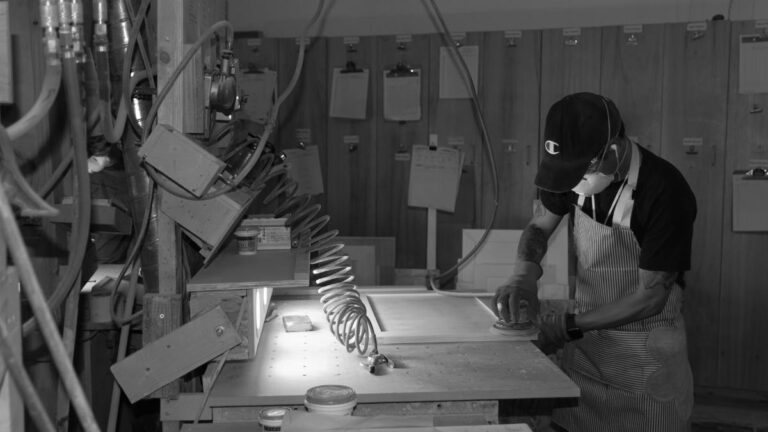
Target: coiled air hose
<point>343,307</point>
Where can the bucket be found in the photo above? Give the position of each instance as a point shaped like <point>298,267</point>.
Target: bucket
<point>331,400</point>
<point>247,240</point>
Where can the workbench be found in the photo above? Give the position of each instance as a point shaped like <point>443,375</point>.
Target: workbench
<point>429,377</point>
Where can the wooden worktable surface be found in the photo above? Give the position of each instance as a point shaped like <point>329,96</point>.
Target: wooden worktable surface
<point>287,364</point>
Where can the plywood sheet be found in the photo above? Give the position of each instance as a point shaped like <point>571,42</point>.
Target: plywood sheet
<point>269,268</point>
<point>287,364</point>
<point>171,356</point>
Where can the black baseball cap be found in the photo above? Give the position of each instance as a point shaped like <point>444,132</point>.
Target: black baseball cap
<point>578,128</point>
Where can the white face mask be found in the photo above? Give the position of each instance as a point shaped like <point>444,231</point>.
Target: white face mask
<point>593,184</point>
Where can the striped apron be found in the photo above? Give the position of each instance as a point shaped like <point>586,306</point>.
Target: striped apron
<point>635,377</point>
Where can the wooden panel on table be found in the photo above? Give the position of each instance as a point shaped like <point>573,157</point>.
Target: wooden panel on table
<point>695,97</point>
<point>568,67</point>
<point>630,77</point>
<point>429,317</point>
<point>393,156</point>
<point>351,151</point>
<point>303,115</point>
<point>267,268</point>
<point>743,300</point>
<point>172,356</point>
<point>453,120</point>
<point>511,82</point>
<point>287,364</point>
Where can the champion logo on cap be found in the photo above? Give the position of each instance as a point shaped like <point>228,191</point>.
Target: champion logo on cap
<point>552,147</point>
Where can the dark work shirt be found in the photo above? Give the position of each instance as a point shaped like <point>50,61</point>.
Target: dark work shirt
<point>662,218</point>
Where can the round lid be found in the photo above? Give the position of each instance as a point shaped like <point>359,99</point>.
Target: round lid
<point>330,394</point>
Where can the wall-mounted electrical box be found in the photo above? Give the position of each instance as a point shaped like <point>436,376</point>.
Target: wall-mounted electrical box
<point>181,159</point>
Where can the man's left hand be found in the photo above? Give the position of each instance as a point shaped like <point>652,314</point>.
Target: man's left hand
<point>553,334</point>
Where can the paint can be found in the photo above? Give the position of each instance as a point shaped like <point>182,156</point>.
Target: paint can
<point>331,400</point>
<point>247,240</point>
<point>271,419</point>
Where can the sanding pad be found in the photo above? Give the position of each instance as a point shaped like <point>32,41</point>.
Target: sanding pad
<point>501,327</point>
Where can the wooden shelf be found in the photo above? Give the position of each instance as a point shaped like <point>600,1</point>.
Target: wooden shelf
<point>266,268</point>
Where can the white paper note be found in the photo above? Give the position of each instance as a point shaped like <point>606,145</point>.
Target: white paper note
<point>259,89</point>
<point>349,94</point>
<point>753,63</point>
<point>303,167</point>
<point>434,177</point>
<point>402,96</point>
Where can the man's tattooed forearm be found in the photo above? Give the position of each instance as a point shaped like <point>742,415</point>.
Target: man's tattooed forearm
<point>533,244</point>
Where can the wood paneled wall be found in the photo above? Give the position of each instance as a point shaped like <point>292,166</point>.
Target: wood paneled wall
<point>668,86</point>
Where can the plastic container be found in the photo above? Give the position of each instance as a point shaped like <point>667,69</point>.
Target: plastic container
<point>271,419</point>
<point>331,400</point>
<point>247,240</point>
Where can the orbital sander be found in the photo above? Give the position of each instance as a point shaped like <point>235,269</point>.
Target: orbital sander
<point>520,328</point>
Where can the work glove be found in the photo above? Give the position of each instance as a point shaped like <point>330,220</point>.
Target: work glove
<point>518,293</point>
<point>553,333</point>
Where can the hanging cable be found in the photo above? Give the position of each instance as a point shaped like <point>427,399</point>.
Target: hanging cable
<point>283,96</point>
<point>122,345</point>
<point>81,192</point>
<point>35,205</point>
<point>32,401</point>
<point>49,22</point>
<point>39,306</point>
<point>480,118</point>
<point>136,24</point>
<point>132,256</point>
<point>168,185</point>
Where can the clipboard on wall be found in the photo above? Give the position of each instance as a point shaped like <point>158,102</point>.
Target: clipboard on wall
<point>402,93</point>
<point>750,201</point>
<point>349,92</point>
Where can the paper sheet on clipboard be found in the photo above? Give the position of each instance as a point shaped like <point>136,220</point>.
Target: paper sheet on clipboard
<point>434,177</point>
<point>753,61</point>
<point>259,89</point>
<point>402,96</point>
<point>452,83</point>
<point>349,94</point>
<point>303,166</point>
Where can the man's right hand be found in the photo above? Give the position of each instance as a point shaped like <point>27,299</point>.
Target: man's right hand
<point>520,291</point>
